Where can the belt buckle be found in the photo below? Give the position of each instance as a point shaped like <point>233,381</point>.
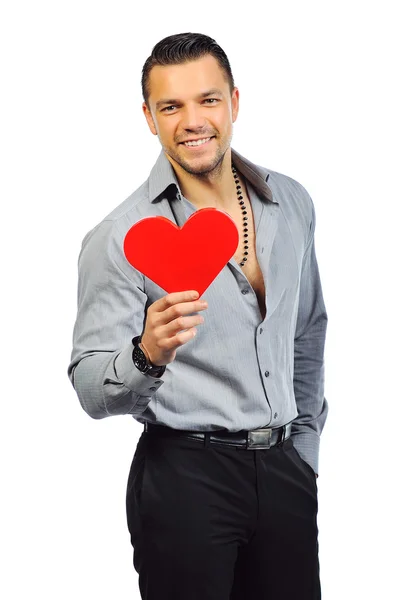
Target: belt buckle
<point>259,438</point>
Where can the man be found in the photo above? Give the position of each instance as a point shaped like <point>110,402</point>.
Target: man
<point>222,494</point>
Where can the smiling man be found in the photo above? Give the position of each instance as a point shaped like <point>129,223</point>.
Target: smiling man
<point>222,494</point>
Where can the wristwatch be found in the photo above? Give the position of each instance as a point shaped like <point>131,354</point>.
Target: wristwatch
<point>142,363</point>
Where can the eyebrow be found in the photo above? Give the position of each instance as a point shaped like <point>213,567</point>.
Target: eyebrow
<point>211,92</point>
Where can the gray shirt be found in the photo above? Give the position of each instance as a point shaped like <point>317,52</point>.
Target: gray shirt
<point>240,371</point>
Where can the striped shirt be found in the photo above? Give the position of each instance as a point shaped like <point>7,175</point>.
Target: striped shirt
<point>240,371</point>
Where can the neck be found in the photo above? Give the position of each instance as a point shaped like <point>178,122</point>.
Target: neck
<point>214,189</point>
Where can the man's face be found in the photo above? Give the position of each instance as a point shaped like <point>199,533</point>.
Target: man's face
<point>192,101</point>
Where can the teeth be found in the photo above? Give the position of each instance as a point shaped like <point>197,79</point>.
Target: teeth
<point>198,142</point>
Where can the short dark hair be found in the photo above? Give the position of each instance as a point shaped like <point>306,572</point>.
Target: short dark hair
<point>180,48</point>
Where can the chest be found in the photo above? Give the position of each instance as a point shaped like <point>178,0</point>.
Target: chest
<point>250,268</point>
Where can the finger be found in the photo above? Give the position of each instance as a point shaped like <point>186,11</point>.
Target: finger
<point>174,298</point>
<point>170,329</point>
<point>182,309</point>
<point>185,336</point>
<point>182,337</point>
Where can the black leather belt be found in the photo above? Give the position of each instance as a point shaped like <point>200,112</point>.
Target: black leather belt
<point>256,439</point>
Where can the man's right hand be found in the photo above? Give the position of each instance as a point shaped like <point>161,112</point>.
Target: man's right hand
<point>168,327</point>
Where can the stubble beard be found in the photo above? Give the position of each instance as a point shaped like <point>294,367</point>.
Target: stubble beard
<point>214,167</point>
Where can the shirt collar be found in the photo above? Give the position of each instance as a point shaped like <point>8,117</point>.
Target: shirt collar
<point>163,176</point>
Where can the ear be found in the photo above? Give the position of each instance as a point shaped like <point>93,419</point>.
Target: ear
<point>150,120</point>
<point>235,104</point>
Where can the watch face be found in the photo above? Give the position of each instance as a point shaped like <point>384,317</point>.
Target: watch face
<point>139,359</point>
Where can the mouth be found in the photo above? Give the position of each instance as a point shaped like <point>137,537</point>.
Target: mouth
<point>200,143</point>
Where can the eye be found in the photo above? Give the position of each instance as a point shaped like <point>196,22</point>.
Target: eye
<point>172,107</point>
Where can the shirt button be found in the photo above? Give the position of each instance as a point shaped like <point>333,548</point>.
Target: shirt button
<point>245,291</point>
<point>261,330</point>
<point>275,415</point>
<point>153,389</point>
<point>267,373</point>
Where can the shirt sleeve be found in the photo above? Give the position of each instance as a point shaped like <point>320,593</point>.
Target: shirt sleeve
<point>309,344</point>
<point>111,311</point>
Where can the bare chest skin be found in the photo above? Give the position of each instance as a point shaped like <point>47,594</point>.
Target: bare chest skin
<point>251,268</point>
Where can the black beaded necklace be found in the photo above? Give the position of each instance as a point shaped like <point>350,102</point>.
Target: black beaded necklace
<point>244,214</point>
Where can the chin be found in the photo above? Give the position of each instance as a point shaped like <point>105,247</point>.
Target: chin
<point>200,168</point>
<point>203,165</point>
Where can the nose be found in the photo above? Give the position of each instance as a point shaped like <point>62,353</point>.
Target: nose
<point>193,118</point>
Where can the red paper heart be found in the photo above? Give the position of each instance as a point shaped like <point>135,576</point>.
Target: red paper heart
<point>182,258</point>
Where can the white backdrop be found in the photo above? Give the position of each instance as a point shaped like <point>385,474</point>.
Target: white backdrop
<point>318,85</point>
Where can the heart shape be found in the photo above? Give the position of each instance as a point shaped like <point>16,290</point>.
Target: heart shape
<point>182,258</point>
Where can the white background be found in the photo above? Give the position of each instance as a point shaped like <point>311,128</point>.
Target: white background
<point>318,85</point>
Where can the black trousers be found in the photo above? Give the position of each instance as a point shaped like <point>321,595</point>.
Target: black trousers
<point>215,523</point>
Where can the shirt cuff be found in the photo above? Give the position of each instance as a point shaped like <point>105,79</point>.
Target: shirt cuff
<point>307,446</point>
<point>139,383</point>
